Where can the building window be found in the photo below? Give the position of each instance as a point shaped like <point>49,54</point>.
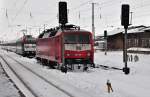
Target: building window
<point>136,42</point>
<point>149,43</point>
<point>142,42</point>
<point>129,42</point>
<point>145,42</point>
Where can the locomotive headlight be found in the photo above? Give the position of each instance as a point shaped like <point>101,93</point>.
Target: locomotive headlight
<point>88,54</point>
<point>68,54</point>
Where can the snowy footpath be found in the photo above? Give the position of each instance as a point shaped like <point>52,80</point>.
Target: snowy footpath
<point>93,82</point>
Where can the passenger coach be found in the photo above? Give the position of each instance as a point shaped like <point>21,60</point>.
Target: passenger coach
<point>24,46</point>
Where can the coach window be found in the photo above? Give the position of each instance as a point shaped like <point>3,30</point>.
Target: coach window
<point>28,36</point>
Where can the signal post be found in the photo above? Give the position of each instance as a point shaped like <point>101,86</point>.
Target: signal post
<point>63,19</point>
<point>125,23</point>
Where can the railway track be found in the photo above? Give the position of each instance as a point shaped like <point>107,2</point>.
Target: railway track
<point>34,94</point>
<point>105,67</point>
<point>19,92</point>
<point>20,79</point>
<point>69,94</point>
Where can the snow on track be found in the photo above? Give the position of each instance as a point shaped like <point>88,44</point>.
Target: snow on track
<point>36,84</point>
<point>93,82</point>
<point>42,87</point>
<point>7,87</point>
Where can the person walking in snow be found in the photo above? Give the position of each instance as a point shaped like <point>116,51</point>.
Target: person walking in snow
<point>128,58</point>
<point>109,87</point>
<point>136,58</point>
<point>131,58</point>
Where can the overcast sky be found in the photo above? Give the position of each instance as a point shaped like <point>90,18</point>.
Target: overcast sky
<point>17,15</point>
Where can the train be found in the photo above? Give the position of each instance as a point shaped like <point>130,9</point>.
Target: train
<point>25,46</point>
<point>66,47</point>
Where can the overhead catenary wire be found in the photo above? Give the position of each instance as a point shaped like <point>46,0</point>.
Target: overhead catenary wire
<point>85,3</point>
<point>19,11</point>
<point>81,5</point>
<point>85,12</point>
<point>120,4</point>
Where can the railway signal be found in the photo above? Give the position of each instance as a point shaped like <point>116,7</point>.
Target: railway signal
<point>125,23</point>
<point>125,15</point>
<point>63,18</point>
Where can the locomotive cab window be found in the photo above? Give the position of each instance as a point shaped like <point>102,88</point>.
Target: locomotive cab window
<point>77,38</point>
<point>70,38</point>
<point>83,38</point>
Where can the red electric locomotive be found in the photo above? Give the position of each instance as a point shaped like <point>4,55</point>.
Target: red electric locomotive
<point>67,46</point>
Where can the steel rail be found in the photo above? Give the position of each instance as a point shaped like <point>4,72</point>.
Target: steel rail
<point>44,79</point>
<point>31,91</point>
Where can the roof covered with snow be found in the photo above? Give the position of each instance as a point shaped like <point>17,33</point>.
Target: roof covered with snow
<point>132,29</point>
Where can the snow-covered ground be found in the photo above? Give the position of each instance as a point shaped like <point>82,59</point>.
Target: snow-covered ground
<point>139,49</point>
<point>7,88</point>
<point>93,82</point>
